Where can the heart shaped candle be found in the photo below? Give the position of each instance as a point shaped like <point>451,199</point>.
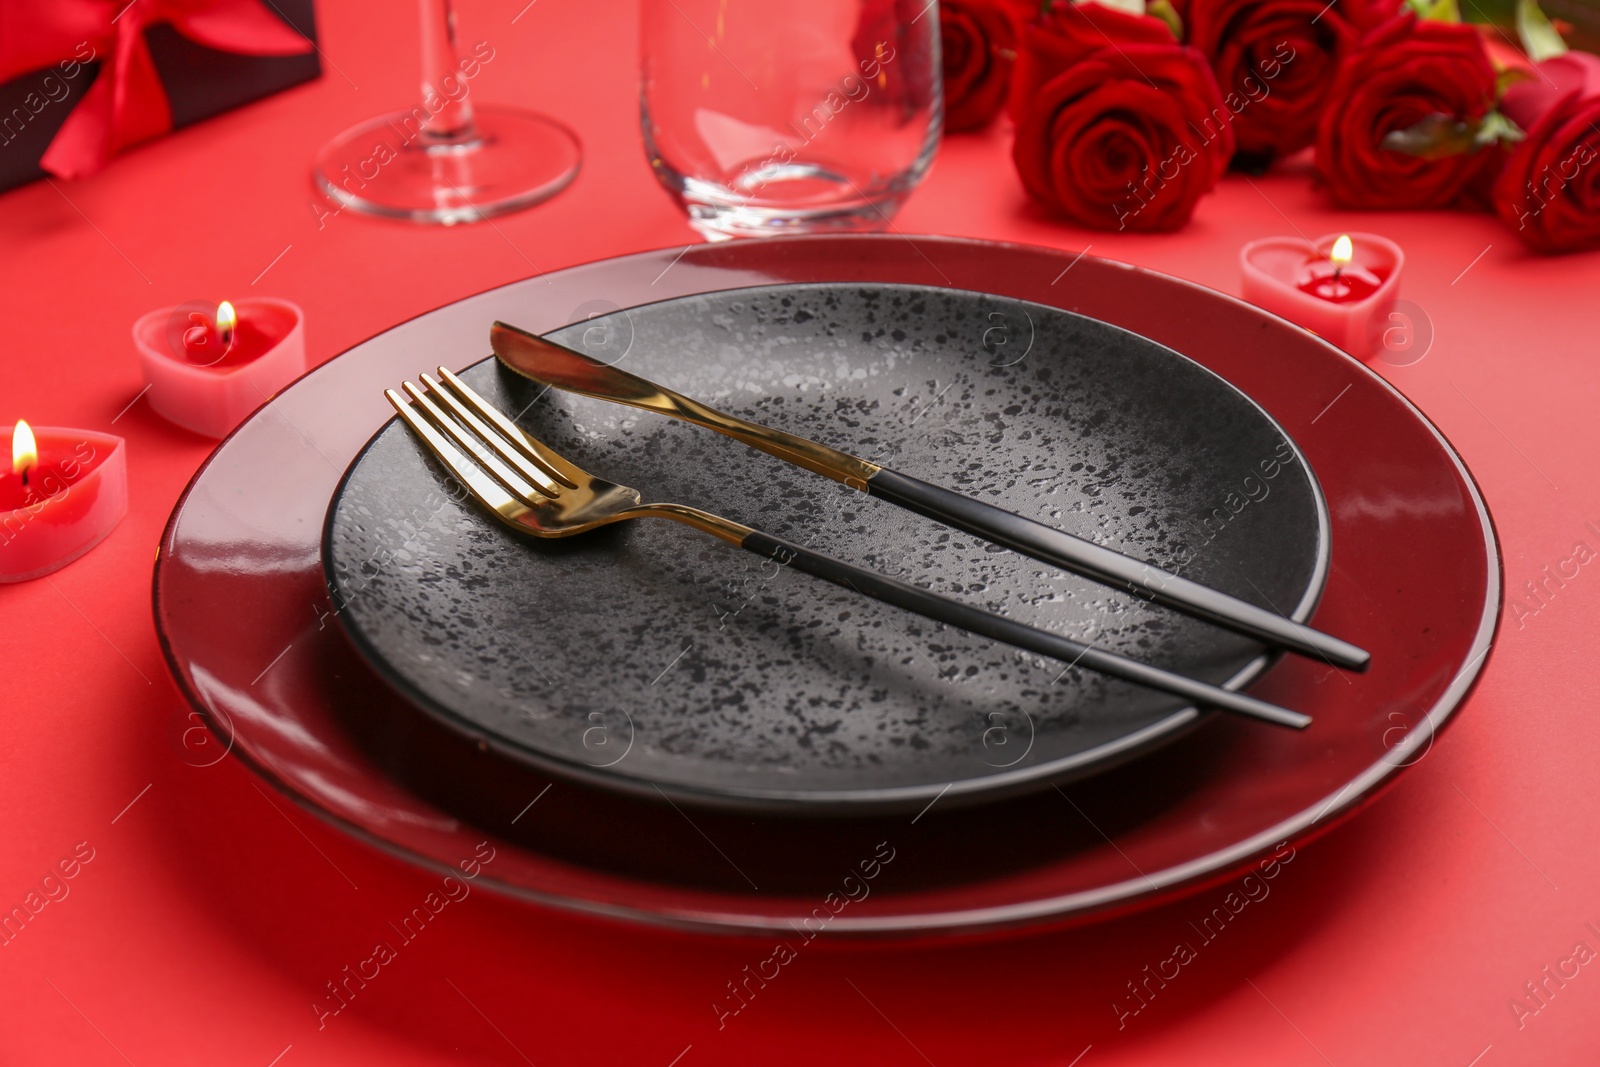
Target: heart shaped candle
<point>64,491</point>
<point>208,368</point>
<point>1340,287</point>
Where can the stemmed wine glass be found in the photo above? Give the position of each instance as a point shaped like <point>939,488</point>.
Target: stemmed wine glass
<point>448,160</point>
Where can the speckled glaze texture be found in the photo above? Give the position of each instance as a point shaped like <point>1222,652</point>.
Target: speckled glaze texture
<point>649,655</point>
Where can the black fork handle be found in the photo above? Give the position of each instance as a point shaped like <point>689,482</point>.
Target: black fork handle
<point>997,627</point>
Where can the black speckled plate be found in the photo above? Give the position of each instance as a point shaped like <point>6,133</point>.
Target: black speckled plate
<point>650,658</point>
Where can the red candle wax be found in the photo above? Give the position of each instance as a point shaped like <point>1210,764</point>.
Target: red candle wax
<point>209,346</point>
<point>207,381</point>
<point>74,493</point>
<point>1349,284</point>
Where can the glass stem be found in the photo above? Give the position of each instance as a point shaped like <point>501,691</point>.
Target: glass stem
<point>442,83</point>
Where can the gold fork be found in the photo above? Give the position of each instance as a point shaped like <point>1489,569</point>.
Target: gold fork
<point>535,491</point>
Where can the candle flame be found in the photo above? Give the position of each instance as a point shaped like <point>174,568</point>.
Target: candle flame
<point>24,450</point>
<point>1344,250</point>
<point>226,320</point>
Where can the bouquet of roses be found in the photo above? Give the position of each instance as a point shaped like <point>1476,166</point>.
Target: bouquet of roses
<point>1127,112</point>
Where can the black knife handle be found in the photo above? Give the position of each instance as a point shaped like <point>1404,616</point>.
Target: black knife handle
<point>1011,632</point>
<point>1049,545</point>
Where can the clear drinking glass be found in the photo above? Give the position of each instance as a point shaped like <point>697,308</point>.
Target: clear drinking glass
<point>790,116</point>
<point>448,159</point>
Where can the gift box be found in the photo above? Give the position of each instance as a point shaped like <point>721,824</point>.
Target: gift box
<point>80,80</point>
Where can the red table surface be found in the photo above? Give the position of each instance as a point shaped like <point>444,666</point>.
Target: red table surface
<point>214,912</point>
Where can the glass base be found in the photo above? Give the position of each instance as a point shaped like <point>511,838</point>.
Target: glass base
<point>791,198</point>
<point>393,167</point>
<point>717,222</point>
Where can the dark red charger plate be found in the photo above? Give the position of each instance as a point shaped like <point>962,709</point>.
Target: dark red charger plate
<point>245,623</point>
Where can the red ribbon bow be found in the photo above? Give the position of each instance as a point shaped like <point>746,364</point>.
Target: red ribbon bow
<point>127,103</point>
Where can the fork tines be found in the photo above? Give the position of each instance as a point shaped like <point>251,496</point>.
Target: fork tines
<point>519,462</point>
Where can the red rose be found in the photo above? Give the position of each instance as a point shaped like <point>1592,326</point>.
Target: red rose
<point>1274,60</point>
<point>1404,72</point>
<point>1365,15</point>
<point>1118,126</point>
<point>1362,14</point>
<point>1068,32</point>
<point>1549,190</point>
<point>978,40</point>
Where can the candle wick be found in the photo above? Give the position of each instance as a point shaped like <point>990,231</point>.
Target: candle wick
<point>1337,270</point>
<point>25,471</point>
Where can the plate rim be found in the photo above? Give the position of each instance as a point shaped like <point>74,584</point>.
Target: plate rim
<point>1061,910</point>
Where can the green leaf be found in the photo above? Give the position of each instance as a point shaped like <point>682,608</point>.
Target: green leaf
<point>1132,7</point>
<point>1495,127</point>
<point>1441,136</point>
<point>1441,11</point>
<point>1499,13</point>
<point>1438,136</point>
<point>1540,39</point>
<point>1508,77</point>
<point>1163,10</point>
